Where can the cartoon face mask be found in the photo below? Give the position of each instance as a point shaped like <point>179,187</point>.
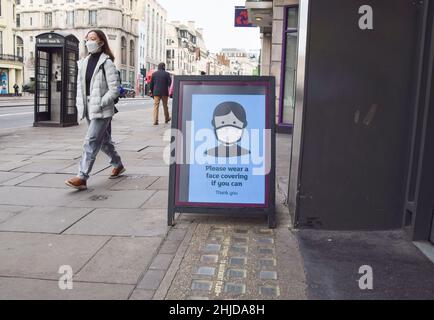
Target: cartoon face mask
<point>229,134</point>
<point>228,128</point>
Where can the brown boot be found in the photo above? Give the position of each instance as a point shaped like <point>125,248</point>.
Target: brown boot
<point>76,183</point>
<point>168,120</point>
<point>116,172</point>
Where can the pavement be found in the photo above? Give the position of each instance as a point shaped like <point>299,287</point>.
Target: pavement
<point>114,241</point>
<point>18,112</point>
<point>25,100</point>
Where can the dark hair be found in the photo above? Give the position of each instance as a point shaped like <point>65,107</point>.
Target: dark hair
<point>162,66</point>
<point>202,73</point>
<point>105,48</point>
<point>226,108</point>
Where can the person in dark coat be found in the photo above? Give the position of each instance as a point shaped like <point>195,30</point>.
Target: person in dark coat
<point>160,84</point>
<point>16,88</point>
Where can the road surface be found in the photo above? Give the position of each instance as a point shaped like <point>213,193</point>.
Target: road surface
<point>22,116</point>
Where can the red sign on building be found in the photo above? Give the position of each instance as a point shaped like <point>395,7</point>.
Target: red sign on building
<point>242,17</point>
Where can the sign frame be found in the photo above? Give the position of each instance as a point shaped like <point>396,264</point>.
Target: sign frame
<point>267,209</point>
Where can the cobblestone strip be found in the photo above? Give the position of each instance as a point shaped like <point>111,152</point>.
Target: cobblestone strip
<point>230,262</point>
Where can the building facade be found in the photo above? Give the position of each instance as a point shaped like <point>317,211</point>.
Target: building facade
<point>115,17</point>
<point>242,63</point>
<point>186,53</point>
<point>278,21</point>
<point>11,49</point>
<point>151,46</point>
<point>152,19</point>
<point>218,65</point>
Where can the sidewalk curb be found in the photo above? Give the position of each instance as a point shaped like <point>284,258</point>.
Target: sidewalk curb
<point>166,283</point>
<point>32,104</point>
<point>21,105</point>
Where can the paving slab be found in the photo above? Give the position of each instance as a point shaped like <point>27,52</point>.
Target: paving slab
<point>102,198</point>
<point>121,260</point>
<point>162,261</point>
<point>140,294</point>
<point>31,289</point>
<point>6,176</point>
<point>151,280</point>
<point>45,166</point>
<point>134,182</point>
<point>158,200</point>
<point>34,196</point>
<point>24,151</point>
<point>48,180</point>
<point>21,178</point>
<point>161,184</point>
<point>58,155</point>
<point>170,246</point>
<point>12,165</point>
<point>159,171</point>
<point>44,219</point>
<point>13,157</point>
<point>40,256</point>
<point>100,165</point>
<point>7,212</point>
<point>123,222</point>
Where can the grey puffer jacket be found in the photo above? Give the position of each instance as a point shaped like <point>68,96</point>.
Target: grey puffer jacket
<point>103,90</point>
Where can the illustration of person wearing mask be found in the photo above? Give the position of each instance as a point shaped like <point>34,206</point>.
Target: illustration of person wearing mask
<point>229,122</point>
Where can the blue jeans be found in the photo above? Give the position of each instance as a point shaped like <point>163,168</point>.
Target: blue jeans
<point>98,138</point>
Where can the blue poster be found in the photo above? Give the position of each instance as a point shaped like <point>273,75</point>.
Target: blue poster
<point>4,82</point>
<point>226,154</point>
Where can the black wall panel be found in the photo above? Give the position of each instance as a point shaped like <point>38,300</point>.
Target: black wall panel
<point>358,114</point>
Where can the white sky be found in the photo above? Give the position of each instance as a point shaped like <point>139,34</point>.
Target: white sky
<point>216,17</point>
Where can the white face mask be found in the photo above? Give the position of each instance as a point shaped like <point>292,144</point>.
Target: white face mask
<point>92,46</point>
<point>229,135</point>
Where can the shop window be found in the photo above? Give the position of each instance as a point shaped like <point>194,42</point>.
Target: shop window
<point>289,60</point>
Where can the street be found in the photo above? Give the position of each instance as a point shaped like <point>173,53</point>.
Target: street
<point>22,116</point>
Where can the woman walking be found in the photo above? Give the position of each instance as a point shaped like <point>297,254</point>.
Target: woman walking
<point>97,88</point>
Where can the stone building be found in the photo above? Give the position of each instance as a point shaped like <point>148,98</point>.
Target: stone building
<point>116,18</point>
<point>11,49</point>
<point>278,22</point>
<point>241,62</point>
<point>151,31</point>
<point>186,50</point>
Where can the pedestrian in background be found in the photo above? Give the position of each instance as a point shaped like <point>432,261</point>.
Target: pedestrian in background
<point>16,88</point>
<point>159,87</point>
<point>97,90</point>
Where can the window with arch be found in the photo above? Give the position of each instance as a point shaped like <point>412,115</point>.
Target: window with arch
<point>132,50</point>
<point>123,50</point>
